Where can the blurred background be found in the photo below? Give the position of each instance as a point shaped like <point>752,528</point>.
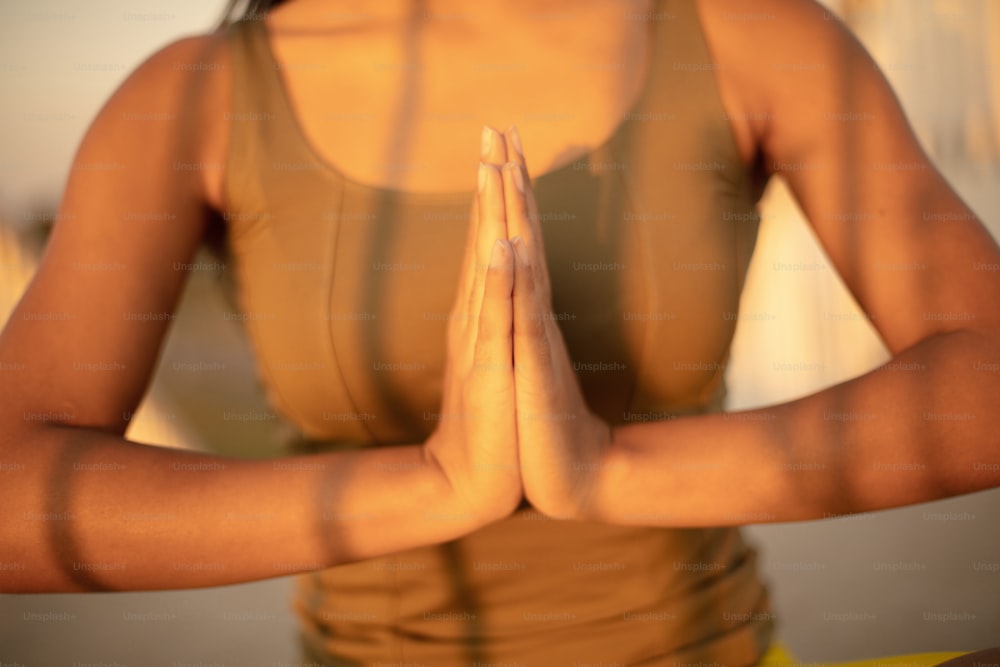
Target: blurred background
<point>925,578</point>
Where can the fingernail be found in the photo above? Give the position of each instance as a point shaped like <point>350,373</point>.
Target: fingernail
<point>486,142</point>
<point>482,176</point>
<point>515,140</point>
<point>516,175</point>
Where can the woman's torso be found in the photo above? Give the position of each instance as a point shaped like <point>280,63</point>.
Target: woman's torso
<point>344,280</point>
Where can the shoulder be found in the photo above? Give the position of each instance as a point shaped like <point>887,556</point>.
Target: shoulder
<point>749,34</point>
<point>177,97</point>
<point>172,76</point>
<point>791,64</point>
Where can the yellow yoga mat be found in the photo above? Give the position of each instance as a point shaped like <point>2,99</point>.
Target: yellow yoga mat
<point>779,656</point>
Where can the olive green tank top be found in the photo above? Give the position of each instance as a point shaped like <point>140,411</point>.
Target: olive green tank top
<point>345,290</point>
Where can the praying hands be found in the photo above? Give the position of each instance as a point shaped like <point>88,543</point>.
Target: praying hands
<point>515,419</point>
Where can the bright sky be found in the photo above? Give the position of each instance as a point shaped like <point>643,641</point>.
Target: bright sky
<point>59,61</point>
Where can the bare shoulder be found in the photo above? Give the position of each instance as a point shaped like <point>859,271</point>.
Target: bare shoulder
<point>176,97</point>
<point>736,31</point>
<point>770,39</point>
<point>772,52</point>
<point>826,119</point>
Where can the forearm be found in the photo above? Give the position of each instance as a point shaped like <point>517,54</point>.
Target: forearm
<point>85,510</point>
<point>921,427</point>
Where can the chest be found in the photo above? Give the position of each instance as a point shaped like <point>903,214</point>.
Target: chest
<point>346,287</point>
<point>402,106</point>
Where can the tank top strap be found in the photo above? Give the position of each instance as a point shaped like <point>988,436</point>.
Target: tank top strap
<point>680,132</point>
<point>683,90</point>
<point>260,118</point>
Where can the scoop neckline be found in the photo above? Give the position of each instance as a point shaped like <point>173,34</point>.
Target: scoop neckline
<point>262,33</point>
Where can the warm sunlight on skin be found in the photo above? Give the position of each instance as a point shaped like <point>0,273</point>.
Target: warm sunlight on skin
<point>467,445</point>
<point>573,467</point>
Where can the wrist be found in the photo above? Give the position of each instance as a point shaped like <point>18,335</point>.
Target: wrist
<point>590,502</point>
<point>572,486</point>
<point>462,498</point>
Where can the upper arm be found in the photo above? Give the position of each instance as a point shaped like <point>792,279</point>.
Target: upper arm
<point>81,344</point>
<point>908,248</point>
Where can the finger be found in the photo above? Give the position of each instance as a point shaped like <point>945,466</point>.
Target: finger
<point>515,150</point>
<point>522,223</point>
<point>528,225</point>
<point>463,312</point>
<point>488,390</point>
<point>491,217</point>
<point>531,347</point>
<point>491,225</point>
<point>516,205</point>
<point>494,348</point>
<point>493,148</point>
<point>459,317</point>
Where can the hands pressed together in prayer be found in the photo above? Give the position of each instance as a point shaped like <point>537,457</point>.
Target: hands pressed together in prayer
<point>513,419</point>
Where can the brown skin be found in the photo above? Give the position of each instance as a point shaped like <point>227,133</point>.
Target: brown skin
<point>84,509</point>
<point>942,318</point>
<point>373,97</point>
<point>423,499</point>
